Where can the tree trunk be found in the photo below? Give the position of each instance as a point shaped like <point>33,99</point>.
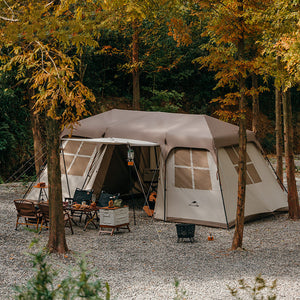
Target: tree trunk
<point>135,63</point>
<point>38,141</point>
<point>293,201</point>
<point>278,132</point>
<point>237,241</point>
<point>255,104</point>
<point>240,210</point>
<point>57,240</point>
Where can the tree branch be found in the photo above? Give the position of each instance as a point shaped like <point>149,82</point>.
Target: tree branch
<point>8,19</point>
<point>12,12</point>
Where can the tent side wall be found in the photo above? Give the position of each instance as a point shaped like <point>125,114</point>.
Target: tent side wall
<point>78,164</point>
<point>77,160</point>
<point>193,192</point>
<point>263,193</point>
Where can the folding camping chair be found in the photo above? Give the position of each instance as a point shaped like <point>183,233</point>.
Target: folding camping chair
<point>44,210</point>
<point>105,197</point>
<point>26,209</point>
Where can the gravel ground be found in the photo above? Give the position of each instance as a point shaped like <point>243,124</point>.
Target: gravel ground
<point>143,264</point>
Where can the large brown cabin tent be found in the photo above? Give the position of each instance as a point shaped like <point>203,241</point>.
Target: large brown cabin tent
<point>197,158</point>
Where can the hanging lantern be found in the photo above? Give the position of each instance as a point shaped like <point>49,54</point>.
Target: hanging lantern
<point>130,157</point>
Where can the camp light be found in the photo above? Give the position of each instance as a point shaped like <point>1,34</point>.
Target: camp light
<point>130,156</point>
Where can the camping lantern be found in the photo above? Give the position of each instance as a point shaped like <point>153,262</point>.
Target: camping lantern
<point>130,157</point>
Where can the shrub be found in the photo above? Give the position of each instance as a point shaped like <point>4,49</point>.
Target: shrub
<point>260,290</point>
<point>180,294</point>
<point>41,286</point>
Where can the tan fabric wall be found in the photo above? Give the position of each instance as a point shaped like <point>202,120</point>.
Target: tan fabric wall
<point>194,197</point>
<point>263,193</point>
<point>159,206</point>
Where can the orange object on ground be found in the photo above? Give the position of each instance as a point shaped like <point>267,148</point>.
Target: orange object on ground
<point>153,196</point>
<point>210,238</point>
<point>40,185</point>
<point>148,211</point>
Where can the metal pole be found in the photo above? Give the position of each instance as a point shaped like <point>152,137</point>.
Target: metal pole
<point>130,191</point>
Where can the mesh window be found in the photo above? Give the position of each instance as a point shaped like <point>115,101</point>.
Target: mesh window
<point>183,178</point>
<point>232,155</point>
<point>68,161</point>
<point>182,157</point>
<point>79,166</point>
<point>200,159</point>
<point>72,147</point>
<point>87,149</point>
<point>252,175</point>
<point>192,169</point>
<point>248,179</point>
<point>202,179</point>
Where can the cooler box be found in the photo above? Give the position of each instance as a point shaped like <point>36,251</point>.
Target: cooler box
<point>114,216</point>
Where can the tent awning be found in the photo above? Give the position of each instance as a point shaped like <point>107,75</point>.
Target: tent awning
<point>113,141</point>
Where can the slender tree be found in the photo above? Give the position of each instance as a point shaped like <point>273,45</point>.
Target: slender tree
<point>239,223</point>
<point>255,104</point>
<point>278,133</point>
<point>293,201</point>
<point>280,45</point>
<point>129,18</point>
<point>232,32</point>
<point>38,40</point>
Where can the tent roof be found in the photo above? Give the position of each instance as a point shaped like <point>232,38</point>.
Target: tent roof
<point>169,130</point>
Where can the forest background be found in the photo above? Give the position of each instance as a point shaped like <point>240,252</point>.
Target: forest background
<point>170,80</point>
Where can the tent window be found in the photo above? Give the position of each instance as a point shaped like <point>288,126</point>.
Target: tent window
<point>183,178</point>
<point>87,149</point>
<point>202,179</point>
<point>192,169</point>
<point>200,159</point>
<point>248,179</point>
<point>72,147</point>
<point>233,153</point>
<point>79,166</point>
<point>68,161</point>
<point>252,175</point>
<point>182,157</point>
<point>76,157</point>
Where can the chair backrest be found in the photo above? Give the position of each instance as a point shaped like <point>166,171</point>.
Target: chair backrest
<point>44,209</point>
<point>105,197</point>
<point>25,208</point>
<point>83,195</point>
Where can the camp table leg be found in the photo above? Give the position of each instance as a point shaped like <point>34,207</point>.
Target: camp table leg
<point>90,216</point>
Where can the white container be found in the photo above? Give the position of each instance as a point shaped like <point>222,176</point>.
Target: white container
<point>115,216</point>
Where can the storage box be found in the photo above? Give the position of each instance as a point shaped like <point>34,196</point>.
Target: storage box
<point>114,216</point>
<point>185,231</point>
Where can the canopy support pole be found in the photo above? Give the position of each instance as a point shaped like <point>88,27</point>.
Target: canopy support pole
<point>130,190</point>
<point>277,177</point>
<point>221,190</point>
<point>67,179</point>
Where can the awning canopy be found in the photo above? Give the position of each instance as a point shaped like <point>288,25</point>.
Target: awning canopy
<point>113,141</point>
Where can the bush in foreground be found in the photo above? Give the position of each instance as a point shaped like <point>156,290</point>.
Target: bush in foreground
<point>41,286</point>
